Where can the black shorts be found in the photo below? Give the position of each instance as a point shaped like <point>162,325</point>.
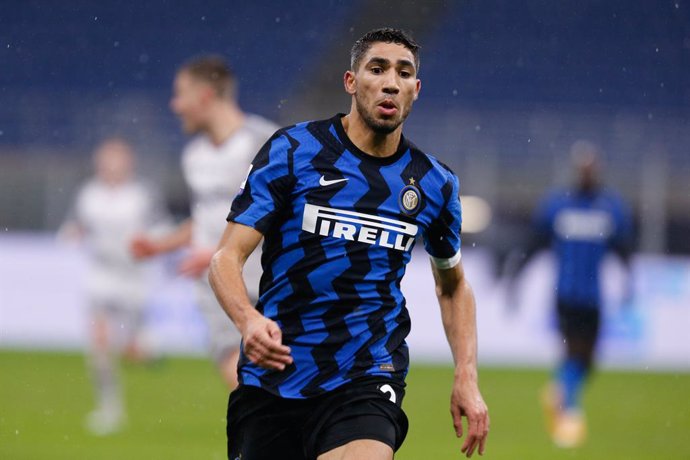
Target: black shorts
<point>264,426</point>
<point>578,321</point>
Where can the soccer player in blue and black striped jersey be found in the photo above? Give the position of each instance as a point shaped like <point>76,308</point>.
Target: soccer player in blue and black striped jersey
<point>581,224</point>
<point>340,203</point>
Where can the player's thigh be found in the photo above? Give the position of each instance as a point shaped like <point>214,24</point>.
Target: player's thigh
<point>228,367</point>
<point>261,426</point>
<point>579,322</point>
<point>363,411</point>
<point>359,449</point>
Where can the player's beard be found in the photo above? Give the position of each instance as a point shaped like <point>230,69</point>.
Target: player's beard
<point>380,126</point>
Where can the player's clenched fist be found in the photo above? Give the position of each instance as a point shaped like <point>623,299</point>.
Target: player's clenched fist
<point>263,343</point>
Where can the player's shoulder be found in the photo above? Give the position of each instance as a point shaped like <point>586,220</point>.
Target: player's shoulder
<point>326,132</point>
<point>553,200</point>
<point>260,126</point>
<point>559,193</point>
<point>302,134</point>
<point>612,199</point>
<point>310,129</point>
<point>435,168</point>
<point>143,185</point>
<point>610,194</point>
<point>558,196</point>
<point>89,187</point>
<point>198,143</point>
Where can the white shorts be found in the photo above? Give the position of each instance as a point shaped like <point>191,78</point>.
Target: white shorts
<point>110,288</point>
<point>120,301</point>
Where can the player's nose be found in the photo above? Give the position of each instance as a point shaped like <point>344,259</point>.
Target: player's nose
<point>390,83</point>
<point>391,88</point>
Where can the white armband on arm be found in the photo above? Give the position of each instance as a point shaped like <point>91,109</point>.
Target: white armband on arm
<point>445,264</point>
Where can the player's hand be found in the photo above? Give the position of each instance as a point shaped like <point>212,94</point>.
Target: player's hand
<point>195,263</point>
<point>263,343</point>
<point>70,232</point>
<point>466,401</point>
<point>142,247</point>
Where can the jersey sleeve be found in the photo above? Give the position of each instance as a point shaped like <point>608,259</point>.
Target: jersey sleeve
<point>542,220</point>
<point>442,239</point>
<point>266,191</point>
<point>158,220</point>
<point>622,237</point>
<point>72,225</point>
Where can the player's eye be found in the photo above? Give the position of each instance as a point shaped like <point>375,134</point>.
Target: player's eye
<point>405,74</point>
<point>376,70</point>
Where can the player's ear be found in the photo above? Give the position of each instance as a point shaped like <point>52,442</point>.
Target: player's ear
<point>349,82</point>
<point>208,94</point>
<point>418,88</point>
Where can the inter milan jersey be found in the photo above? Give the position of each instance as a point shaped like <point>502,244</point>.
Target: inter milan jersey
<point>582,227</point>
<point>339,226</point>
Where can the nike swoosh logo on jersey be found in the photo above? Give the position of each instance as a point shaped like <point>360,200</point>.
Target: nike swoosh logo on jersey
<point>323,182</point>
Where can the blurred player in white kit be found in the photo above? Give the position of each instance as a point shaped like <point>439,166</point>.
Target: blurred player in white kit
<point>214,164</point>
<point>110,208</point>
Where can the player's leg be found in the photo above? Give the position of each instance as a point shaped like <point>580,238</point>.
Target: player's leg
<point>570,429</point>
<point>580,336</point>
<point>362,448</point>
<point>228,367</point>
<point>579,327</point>
<point>109,413</point>
<point>575,369</point>
<point>135,344</point>
<point>363,419</point>
<point>262,426</point>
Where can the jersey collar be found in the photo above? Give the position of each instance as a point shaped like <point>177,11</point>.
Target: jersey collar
<point>349,145</point>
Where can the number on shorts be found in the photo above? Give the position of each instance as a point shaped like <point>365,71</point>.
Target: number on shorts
<point>388,390</point>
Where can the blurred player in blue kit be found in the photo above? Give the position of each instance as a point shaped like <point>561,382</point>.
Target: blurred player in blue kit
<point>109,210</point>
<point>581,224</point>
<point>339,203</point>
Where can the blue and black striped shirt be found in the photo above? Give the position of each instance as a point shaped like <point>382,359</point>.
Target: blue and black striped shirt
<point>339,226</point>
<point>582,228</point>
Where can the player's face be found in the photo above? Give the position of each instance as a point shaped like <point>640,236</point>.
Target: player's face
<point>114,162</point>
<point>587,169</point>
<point>384,86</point>
<point>189,102</point>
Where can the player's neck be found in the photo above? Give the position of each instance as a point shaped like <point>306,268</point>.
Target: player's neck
<point>114,182</point>
<point>369,141</point>
<point>225,120</point>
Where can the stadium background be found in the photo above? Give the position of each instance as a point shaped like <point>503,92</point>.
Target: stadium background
<point>507,88</point>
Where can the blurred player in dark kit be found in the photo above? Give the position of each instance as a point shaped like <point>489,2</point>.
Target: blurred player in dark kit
<point>581,224</point>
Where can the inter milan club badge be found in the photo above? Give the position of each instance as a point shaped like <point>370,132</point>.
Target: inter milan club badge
<point>410,198</point>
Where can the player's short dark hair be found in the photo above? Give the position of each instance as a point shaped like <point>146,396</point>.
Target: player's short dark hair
<point>385,35</point>
<point>215,71</point>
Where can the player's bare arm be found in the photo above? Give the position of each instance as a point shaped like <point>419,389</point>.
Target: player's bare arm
<point>196,262</point>
<point>144,246</point>
<point>459,321</point>
<point>261,336</point>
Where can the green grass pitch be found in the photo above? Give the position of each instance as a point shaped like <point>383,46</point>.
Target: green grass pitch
<point>176,411</point>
